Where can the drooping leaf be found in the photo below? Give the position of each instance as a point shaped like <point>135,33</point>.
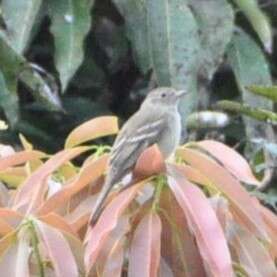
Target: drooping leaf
<point>92,129</point>
<point>30,195</point>
<point>70,24</point>
<point>20,158</point>
<point>178,247</point>
<point>106,223</point>
<point>20,17</point>
<point>239,198</point>
<point>145,248</point>
<point>205,225</point>
<point>251,253</point>
<point>258,20</point>
<point>58,222</point>
<point>231,160</point>
<point>89,173</point>
<point>58,250</point>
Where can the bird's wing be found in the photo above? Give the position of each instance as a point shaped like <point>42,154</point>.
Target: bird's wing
<point>132,141</point>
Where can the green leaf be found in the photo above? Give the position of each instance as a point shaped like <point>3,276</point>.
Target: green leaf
<point>20,16</point>
<point>14,67</point>
<point>70,24</point>
<point>258,20</point>
<point>135,16</point>
<point>256,113</point>
<point>215,19</point>
<point>269,92</point>
<point>175,47</point>
<point>250,68</point>
<point>9,101</point>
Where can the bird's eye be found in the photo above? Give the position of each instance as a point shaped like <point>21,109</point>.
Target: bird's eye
<point>163,95</point>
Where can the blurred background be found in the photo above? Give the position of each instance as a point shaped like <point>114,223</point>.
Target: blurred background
<point>64,62</point>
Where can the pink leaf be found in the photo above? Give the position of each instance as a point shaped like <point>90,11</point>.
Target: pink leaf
<point>144,257</point>
<point>30,191</point>
<point>106,223</point>
<point>252,255</point>
<point>239,198</point>
<point>20,158</point>
<point>93,170</point>
<point>203,223</point>
<point>231,160</point>
<point>58,250</point>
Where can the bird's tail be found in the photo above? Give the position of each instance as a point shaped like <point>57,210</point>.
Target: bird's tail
<point>98,207</point>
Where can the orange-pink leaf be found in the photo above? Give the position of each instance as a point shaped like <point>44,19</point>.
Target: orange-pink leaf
<point>58,222</point>
<point>80,215</point>
<point>93,170</point>
<point>92,129</point>
<point>239,198</point>
<point>179,248</point>
<point>150,162</point>
<point>106,223</point>
<point>203,223</point>
<point>58,250</point>
<point>30,191</point>
<point>252,255</point>
<point>12,217</point>
<point>114,263</point>
<point>15,261</point>
<point>231,160</point>
<point>6,241</point>
<point>145,249</point>
<point>20,158</point>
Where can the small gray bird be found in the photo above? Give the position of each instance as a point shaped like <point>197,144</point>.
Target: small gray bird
<point>156,122</point>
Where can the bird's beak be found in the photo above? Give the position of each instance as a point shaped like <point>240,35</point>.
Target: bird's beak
<point>181,93</point>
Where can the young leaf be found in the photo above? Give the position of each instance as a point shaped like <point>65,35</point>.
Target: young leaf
<point>145,248</point>
<point>251,253</point>
<point>92,129</point>
<point>20,158</point>
<point>150,162</point>
<point>30,195</point>
<point>58,250</point>
<point>114,264</point>
<point>58,222</point>
<point>203,223</point>
<point>70,24</point>
<point>106,223</point>
<point>239,198</point>
<point>88,174</point>
<point>231,160</point>
<point>178,248</point>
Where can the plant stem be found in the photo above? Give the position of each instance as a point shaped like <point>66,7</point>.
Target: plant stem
<point>34,240</point>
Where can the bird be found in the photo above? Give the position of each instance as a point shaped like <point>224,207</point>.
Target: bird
<point>157,121</point>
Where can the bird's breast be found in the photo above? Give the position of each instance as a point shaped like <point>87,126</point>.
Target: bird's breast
<point>170,137</point>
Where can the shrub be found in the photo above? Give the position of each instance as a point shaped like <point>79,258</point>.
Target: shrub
<point>192,216</point>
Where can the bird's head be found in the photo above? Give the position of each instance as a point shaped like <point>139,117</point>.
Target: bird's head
<point>165,96</point>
